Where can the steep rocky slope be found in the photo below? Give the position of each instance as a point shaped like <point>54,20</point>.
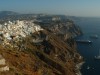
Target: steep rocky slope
<point>62,28</point>
<point>36,51</point>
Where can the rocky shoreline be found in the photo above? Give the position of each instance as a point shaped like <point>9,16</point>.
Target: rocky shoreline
<point>78,67</point>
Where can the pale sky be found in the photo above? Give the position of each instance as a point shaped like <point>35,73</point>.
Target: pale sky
<point>85,8</point>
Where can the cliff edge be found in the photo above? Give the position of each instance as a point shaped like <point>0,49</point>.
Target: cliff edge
<point>31,49</point>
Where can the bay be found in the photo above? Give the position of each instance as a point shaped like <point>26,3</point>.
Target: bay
<point>89,26</point>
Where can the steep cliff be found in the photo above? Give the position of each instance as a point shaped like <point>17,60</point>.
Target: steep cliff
<point>38,51</point>
<point>64,28</point>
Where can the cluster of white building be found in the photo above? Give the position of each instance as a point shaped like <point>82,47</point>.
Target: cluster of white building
<point>17,29</point>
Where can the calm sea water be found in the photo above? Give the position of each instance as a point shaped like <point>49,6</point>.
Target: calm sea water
<point>90,26</point>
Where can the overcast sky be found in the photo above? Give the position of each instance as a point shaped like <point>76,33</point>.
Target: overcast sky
<point>89,8</point>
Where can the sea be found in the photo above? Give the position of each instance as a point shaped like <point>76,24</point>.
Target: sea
<point>89,26</point>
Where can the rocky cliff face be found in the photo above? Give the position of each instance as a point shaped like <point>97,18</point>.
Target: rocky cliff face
<point>63,28</point>
<point>29,49</point>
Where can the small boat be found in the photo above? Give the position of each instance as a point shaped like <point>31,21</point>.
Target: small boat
<point>94,36</point>
<point>88,67</point>
<point>98,57</point>
<point>83,41</point>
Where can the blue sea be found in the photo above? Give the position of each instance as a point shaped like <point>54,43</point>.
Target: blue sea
<point>89,26</point>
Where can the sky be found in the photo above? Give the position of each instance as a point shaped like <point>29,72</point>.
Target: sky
<point>84,8</point>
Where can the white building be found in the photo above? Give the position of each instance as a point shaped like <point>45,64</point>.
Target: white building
<point>3,66</point>
<point>18,29</point>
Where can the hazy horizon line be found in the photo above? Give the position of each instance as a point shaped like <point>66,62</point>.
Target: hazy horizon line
<point>49,14</point>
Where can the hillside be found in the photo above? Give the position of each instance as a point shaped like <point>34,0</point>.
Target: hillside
<point>28,49</point>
